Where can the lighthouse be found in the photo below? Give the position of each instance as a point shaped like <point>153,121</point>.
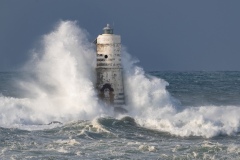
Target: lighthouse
<point>109,70</point>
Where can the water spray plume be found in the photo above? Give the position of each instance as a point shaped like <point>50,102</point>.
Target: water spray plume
<point>61,87</point>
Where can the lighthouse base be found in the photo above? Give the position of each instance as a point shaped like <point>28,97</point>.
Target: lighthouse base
<point>120,110</point>
<point>110,86</point>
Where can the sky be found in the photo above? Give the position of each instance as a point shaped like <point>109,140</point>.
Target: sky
<point>176,35</point>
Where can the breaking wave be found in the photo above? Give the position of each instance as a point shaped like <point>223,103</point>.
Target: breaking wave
<point>60,87</point>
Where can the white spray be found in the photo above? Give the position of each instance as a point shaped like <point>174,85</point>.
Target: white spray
<point>61,88</point>
<point>61,82</point>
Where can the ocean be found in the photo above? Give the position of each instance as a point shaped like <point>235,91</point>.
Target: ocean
<point>50,110</point>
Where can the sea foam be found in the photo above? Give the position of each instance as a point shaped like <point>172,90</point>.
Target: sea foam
<point>60,87</point>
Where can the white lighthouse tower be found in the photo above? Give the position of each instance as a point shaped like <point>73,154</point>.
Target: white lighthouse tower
<point>109,69</point>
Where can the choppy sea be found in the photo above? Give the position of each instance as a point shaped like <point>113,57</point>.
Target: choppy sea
<point>50,110</point>
<point>109,137</point>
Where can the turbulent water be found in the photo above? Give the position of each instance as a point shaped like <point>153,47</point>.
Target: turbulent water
<point>50,110</point>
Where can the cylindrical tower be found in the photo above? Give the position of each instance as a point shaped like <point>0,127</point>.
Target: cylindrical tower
<point>109,68</point>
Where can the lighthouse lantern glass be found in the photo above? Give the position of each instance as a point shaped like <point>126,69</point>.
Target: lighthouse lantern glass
<point>108,31</point>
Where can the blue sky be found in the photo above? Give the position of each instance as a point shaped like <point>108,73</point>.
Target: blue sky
<point>182,35</point>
